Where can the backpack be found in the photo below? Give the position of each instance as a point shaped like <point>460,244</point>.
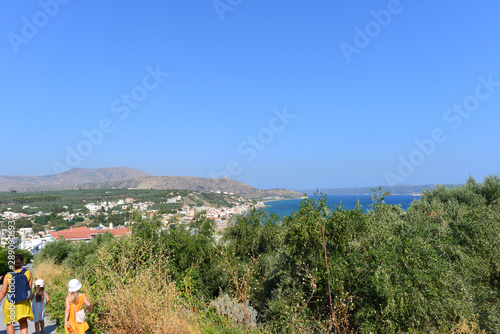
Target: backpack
<point>19,287</point>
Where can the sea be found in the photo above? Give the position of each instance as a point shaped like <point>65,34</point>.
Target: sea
<point>287,206</point>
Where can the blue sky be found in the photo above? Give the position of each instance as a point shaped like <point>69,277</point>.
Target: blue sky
<point>270,93</point>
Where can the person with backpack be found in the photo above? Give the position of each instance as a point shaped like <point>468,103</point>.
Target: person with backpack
<point>17,287</point>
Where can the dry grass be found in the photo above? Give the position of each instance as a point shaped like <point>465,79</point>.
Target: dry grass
<point>340,321</point>
<point>147,304</point>
<point>129,296</point>
<point>56,279</point>
<point>130,292</point>
<point>139,297</point>
<point>54,275</point>
<point>463,328</point>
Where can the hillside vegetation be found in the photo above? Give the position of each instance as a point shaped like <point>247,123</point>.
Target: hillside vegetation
<point>129,178</point>
<point>434,268</point>
<point>77,199</point>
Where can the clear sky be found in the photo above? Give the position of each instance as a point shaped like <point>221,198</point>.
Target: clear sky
<point>288,94</point>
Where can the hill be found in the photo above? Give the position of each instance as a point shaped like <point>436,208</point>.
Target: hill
<point>70,179</point>
<point>394,190</point>
<point>129,178</point>
<point>184,182</point>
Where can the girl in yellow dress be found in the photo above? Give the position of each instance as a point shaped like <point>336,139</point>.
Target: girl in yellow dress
<point>74,303</point>
<point>20,311</point>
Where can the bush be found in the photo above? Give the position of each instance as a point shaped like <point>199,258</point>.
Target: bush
<point>432,268</point>
<point>242,314</point>
<point>4,260</point>
<point>139,301</point>
<point>56,251</point>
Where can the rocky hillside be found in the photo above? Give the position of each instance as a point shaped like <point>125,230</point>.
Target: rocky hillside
<point>69,179</point>
<point>122,177</point>
<point>195,183</point>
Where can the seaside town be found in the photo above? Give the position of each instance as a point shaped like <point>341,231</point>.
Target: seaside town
<point>32,241</point>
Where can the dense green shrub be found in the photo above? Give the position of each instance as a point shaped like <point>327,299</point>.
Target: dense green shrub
<point>4,259</point>
<point>57,250</point>
<point>422,270</point>
<point>432,268</point>
<point>472,194</point>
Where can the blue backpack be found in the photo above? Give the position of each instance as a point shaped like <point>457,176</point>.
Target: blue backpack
<point>19,287</point>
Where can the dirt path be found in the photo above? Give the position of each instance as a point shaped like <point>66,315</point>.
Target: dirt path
<point>50,326</point>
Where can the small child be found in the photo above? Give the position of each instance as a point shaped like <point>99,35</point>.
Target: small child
<point>74,303</point>
<point>39,298</point>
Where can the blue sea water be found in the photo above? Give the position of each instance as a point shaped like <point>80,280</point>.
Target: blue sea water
<point>286,207</point>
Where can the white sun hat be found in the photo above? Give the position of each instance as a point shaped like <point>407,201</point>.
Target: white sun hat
<point>74,285</point>
<point>39,282</point>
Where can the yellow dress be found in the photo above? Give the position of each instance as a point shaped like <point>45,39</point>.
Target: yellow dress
<point>77,328</point>
<point>19,310</point>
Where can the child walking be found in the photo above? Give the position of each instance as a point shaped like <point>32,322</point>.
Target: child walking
<point>74,303</point>
<point>39,298</point>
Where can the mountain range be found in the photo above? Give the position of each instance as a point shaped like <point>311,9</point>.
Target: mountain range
<point>394,190</point>
<point>124,177</point>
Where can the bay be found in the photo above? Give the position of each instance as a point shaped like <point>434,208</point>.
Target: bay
<point>286,207</point>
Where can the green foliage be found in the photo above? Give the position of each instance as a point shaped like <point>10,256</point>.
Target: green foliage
<point>116,219</point>
<point>196,200</point>
<point>57,250</point>
<point>42,220</point>
<point>4,264</point>
<point>31,199</point>
<point>23,223</point>
<point>205,225</point>
<point>28,257</point>
<point>472,194</point>
<point>166,208</point>
<point>217,200</point>
<point>4,259</point>
<point>251,247</point>
<point>80,252</point>
<point>432,268</point>
<point>56,307</point>
<point>194,262</point>
<point>55,208</point>
<point>53,201</point>
<point>415,271</point>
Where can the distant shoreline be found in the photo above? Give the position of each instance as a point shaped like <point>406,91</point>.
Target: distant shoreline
<point>277,200</point>
<point>302,198</point>
<point>349,202</point>
<point>285,199</point>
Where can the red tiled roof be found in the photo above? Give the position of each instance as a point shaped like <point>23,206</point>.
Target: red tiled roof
<point>83,233</point>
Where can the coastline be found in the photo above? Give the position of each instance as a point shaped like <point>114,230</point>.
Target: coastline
<point>283,199</point>
<point>285,207</point>
<point>277,200</point>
